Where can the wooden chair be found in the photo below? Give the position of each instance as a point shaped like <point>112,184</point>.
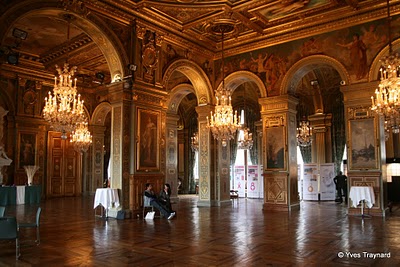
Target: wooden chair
<point>9,231</point>
<point>146,205</point>
<point>35,224</point>
<point>234,194</point>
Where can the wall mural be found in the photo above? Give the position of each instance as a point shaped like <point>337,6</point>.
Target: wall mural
<point>355,47</point>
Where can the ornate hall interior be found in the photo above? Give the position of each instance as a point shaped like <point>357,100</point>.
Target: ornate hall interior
<point>150,79</point>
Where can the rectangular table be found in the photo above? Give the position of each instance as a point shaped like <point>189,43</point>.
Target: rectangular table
<point>363,194</point>
<point>12,195</point>
<point>107,198</point>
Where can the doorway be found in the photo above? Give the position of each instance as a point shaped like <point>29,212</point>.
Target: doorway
<point>63,168</point>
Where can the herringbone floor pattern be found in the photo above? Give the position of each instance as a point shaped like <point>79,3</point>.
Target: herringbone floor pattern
<point>240,234</point>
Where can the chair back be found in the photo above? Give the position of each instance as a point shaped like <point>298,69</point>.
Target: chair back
<point>8,228</point>
<point>146,201</point>
<point>2,211</point>
<point>39,210</point>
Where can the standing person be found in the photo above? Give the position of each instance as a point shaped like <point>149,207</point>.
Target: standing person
<point>165,198</point>
<point>151,198</point>
<point>341,184</point>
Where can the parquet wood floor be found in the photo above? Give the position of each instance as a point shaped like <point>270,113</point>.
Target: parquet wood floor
<point>235,235</point>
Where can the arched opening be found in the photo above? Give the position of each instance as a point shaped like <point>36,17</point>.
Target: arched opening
<point>315,81</point>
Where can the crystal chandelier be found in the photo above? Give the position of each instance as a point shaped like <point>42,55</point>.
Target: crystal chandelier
<point>387,96</point>
<point>304,133</point>
<point>195,142</point>
<point>245,140</point>
<point>64,108</point>
<point>223,123</point>
<point>81,137</point>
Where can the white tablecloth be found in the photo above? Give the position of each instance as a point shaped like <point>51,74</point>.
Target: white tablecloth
<point>20,194</point>
<point>360,193</point>
<point>106,197</point>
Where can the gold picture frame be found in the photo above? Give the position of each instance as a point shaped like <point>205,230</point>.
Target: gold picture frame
<point>363,151</point>
<point>26,149</point>
<point>275,148</point>
<point>148,142</point>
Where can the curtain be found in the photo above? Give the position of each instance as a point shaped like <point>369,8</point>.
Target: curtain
<point>338,132</point>
<point>306,153</point>
<point>252,118</point>
<point>233,147</point>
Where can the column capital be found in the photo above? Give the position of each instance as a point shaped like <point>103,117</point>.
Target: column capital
<point>119,91</point>
<point>204,111</point>
<point>359,94</point>
<point>278,104</point>
<point>320,122</point>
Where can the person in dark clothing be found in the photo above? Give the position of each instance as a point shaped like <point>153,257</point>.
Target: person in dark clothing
<point>341,187</point>
<point>151,198</point>
<point>165,197</point>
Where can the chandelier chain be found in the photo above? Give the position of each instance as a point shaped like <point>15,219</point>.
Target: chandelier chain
<point>224,122</point>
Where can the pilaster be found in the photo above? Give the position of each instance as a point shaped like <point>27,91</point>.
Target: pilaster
<point>322,144</point>
<point>206,158</point>
<point>98,156</point>
<point>172,154</point>
<point>121,100</point>
<point>365,126</point>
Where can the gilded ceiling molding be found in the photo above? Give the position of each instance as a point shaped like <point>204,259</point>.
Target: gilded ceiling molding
<point>76,6</point>
<point>144,98</point>
<point>195,74</point>
<point>140,31</point>
<point>123,13</point>
<point>297,71</point>
<point>10,71</point>
<point>287,32</point>
<point>159,39</point>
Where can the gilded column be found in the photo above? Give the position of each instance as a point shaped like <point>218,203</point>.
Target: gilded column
<point>279,149</point>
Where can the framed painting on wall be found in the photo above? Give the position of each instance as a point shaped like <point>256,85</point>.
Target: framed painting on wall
<point>148,146</point>
<point>27,149</point>
<point>275,137</point>
<point>362,147</point>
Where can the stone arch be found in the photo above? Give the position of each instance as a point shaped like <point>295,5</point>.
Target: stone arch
<point>100,114</point>
<point>176,96</point>
<point>373,74</point>
<point>196,75</point>
<point>237,78</point>
<point>305,65</point>
<point>100,33</point>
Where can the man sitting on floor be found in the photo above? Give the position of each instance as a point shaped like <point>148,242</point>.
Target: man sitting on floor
<point>153,201</point>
